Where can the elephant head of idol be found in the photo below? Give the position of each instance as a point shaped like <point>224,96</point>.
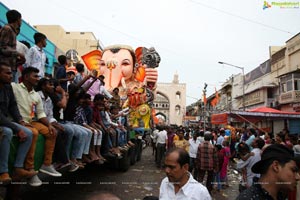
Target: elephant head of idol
<point>119,64</point>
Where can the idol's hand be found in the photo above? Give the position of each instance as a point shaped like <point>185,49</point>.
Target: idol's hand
<point>151,75</point>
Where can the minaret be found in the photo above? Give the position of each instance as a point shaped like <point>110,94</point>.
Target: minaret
<point>175,79</point>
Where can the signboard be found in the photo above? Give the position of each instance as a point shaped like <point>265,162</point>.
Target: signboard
<point>219,118</point>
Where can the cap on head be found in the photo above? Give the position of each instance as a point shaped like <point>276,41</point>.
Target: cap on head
<point>273,152</point>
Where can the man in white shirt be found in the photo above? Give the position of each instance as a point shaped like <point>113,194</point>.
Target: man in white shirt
<point>153,136</point>
<point>36,56</point>
<point>179,183</point>
<point>22,48</point>
<point>200,138</point>
<point>161,142</point>
<point>194,143</point>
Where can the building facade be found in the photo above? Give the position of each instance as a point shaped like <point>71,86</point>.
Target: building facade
<point>170,102</point>
<point>275,84</point>
<point>82,42</point>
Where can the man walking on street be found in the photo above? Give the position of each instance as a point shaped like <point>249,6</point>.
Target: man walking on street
<point>179,183</point>
<point>161,141</point>
<point>194,144</point>
<point>207,160</point>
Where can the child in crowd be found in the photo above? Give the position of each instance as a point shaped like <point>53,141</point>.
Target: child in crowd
<point>116,116</point>
<point>109,127</point>
<point>223,172</point>
<point>80,119</point>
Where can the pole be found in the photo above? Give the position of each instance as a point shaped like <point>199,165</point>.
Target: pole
<point>243,89</point>
<point>204,107</point>
<point>243,80</point>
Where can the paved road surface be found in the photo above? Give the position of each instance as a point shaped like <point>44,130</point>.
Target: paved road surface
<point>140,180</point>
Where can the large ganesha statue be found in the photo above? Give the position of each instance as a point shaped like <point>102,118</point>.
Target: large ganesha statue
<point>133,72</point>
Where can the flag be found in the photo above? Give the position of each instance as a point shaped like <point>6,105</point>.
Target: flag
<point>204,99</point>
<point>217,96</point>
<point>215,100</point>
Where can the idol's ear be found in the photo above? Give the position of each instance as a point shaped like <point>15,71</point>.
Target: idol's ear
<point>92,58</point>
<point>139,55</point>
<point>140,70</point>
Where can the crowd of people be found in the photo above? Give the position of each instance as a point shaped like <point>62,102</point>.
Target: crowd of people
<point>80,120</point>
<point>259,157</point>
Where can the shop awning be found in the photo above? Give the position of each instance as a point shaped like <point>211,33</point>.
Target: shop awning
<point>272,110</point>
<point>254,115</point>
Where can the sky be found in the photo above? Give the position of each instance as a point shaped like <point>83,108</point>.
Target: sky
<point>191,36</point>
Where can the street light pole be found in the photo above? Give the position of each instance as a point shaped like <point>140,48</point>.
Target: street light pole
<point>204,107</point>
<point>243,74</point>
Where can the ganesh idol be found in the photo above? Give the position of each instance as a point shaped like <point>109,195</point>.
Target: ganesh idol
<point>133,72</point>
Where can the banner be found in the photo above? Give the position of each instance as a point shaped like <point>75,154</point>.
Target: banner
<point>219,118</point>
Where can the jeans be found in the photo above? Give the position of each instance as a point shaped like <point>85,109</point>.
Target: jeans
<point>70,133</point>
<point>122,137</point>
<point>77,140</point>
<point>87,137</point>
<point>218,180</point>
<point>111,138</point>
<point>21,151</point>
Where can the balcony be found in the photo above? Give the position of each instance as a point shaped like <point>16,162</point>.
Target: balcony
<point>289,97</point>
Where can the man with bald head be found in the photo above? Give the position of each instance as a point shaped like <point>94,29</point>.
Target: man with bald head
<point>103,196</point>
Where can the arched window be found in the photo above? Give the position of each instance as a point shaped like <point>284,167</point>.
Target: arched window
<point>178,95</point>
<point>177,109</point>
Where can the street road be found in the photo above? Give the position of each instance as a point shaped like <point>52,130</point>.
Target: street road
<point>140,180</point>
